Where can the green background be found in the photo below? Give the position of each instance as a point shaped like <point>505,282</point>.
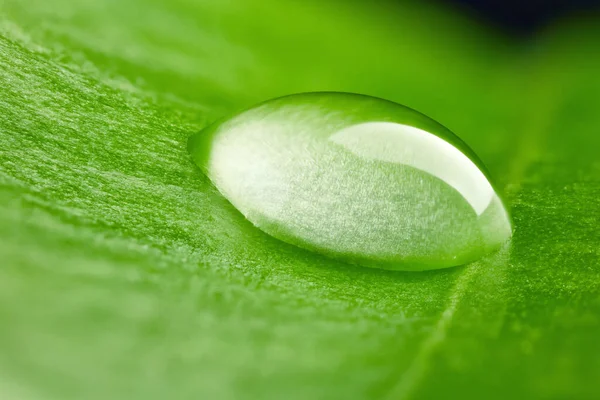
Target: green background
<point>124,274</point>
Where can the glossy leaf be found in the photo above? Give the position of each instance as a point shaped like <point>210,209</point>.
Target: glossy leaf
<point>125,274</point>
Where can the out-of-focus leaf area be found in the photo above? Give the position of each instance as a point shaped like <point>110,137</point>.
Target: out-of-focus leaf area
<point>125,275</point>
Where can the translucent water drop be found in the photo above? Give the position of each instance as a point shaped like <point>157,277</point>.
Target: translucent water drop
<point>356,178</point>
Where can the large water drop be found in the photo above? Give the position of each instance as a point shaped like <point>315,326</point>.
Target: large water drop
<point>357,178</point>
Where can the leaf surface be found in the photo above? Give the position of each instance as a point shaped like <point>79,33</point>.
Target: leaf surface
<point>126,275</point>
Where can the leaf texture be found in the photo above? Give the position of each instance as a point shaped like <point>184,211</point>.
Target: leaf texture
<point>126,275</point>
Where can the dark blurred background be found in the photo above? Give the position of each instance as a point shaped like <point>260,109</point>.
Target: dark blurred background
<point>524,17</point>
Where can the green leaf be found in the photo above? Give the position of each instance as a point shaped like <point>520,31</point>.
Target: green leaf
<point>126,275</point>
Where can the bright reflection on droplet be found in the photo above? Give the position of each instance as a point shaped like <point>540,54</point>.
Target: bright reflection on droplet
<point>356,178</point>
<point>404,144</point>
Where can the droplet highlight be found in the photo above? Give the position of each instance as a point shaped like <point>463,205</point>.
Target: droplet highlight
<point>356,178</point>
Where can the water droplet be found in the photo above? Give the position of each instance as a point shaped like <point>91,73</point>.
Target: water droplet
<point>357,178</point>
